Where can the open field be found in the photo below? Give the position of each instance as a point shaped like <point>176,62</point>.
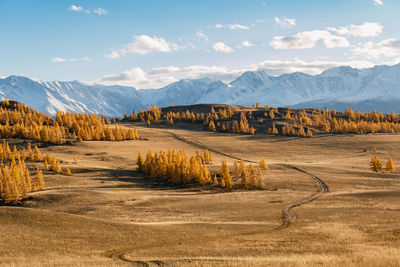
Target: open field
<point>107,214</point>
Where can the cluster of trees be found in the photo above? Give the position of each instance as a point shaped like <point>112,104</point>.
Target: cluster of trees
<point>350,121</point>
<point>83,126</point>
<point>243,126</point>
<point>250,177</point>
<point>222,120</point>
<point>150,115</point>
<point>15,177</point>
<point>376,165</point>
<point>34,155</point>
<point>16,181</point>
<point>178,168</point>
<point>225,120</point>
<point>20,121</point>
<point>289,130</point>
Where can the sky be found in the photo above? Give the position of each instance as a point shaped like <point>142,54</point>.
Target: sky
<point>149,44</point>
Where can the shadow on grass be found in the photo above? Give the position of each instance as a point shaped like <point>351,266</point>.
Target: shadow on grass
<point>134,179</point>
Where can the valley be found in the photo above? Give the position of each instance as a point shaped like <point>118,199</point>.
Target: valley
<point>124,218</point>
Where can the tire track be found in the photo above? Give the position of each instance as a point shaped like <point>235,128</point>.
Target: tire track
<point>288,216</point>
<point>202,146</point>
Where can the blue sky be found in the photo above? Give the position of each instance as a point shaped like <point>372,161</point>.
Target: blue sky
<point>148,44</point>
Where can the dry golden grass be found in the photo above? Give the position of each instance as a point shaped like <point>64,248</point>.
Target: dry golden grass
<point>107,212</point>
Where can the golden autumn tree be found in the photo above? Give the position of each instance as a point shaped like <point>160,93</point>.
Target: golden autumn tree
<point>390,165</point>
<point>236,169</point>
<point>139,162</point>
<point>37,154</point>
<point>215,180</point>
<point>211,126</point>
<point>244,183</point>
<point>375,164</point>
<point>67,171</point>
<point>225,176</point>
<point>252,176</point>
<point>263,164</point>
<point>39,178</point>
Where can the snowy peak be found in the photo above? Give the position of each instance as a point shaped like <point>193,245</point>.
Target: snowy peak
<point>344,71</point>
<point>374,88</point>
<point>252,79</point>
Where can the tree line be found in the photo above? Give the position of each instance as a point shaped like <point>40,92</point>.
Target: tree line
<point>281,121</point>
<point>22,122</point>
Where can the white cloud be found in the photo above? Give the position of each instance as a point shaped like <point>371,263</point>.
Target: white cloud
<point>378,2</point>
<point>63,60</point>
<point>232,26</point>
<point>246,43</point>
<point>308,39</point>
<point>368,29</point>
<point>113,55</point>
<point>98,11</point>
<point>77,8</point>
<point>202,35</point>
<point>285,22</point>
<point>371,50</point>
<point>221,47</point>
<point>164,70</point>
<point>144,44</point>
<point>162,76</point>
<point>278,67</point>
<point>134,76</point>
<point>238,26</point>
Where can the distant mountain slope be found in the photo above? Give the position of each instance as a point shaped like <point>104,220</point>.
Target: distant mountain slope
<point>374,88</point>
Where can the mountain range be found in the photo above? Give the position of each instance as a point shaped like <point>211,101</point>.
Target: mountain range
<point>362,89</point>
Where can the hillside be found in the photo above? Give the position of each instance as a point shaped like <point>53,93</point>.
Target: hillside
<point>265,120</point>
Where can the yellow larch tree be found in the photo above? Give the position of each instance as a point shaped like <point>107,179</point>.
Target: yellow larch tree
<point>375,164</point>
<point>390,165</point>
<point>263,164</point>
<point>224,174</point>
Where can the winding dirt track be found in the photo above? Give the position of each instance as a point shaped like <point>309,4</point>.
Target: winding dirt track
<point>288,216</point>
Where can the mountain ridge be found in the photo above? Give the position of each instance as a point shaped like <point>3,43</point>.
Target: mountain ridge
<point>365,89</point>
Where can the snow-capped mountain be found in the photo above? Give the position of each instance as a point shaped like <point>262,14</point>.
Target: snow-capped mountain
<point>366,89</point>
